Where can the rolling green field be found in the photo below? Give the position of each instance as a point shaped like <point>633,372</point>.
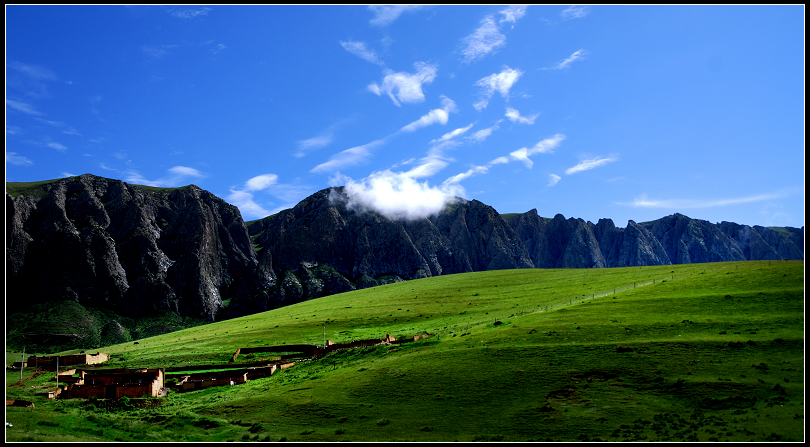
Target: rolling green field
<point>708,352</point>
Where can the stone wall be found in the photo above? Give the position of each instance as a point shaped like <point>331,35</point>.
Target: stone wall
<point>118,383</point>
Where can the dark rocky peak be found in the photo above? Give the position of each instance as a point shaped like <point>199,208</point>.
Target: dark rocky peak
<point>691,240</point>
<point>103,242</point>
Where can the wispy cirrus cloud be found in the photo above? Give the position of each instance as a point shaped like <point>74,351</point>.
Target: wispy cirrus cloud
<point>515,117</point>
<point>577,55</point>
<point>545,146</point>
<point>309,144</point>
<point>586,165</point>
<point>487,38</point>
<point>384,15</point>
<point>19,160</point>
<point>23,107</point>
<point>484,40</point>
<point>497,82</point>
<point>177,176</point>
<point>452,134</point>
<point>33,71</point>
<point>574,12</point>
<point>69,130</point>
<point>349,157</point>
<point>434,116</point>
<point>54,145</point>
<point>156,51</point>
<point>553,179</point>
<point>483,134</point>
<point>405,87</point>
<point>218,49</point>
<point>28,80</point>
<point>13,130</point>
<point>643,201</point>
<point>360,154</point>
<point>359,49</point>
<point>189,13</point>
<point>512,13</point>
<point>243,198</point>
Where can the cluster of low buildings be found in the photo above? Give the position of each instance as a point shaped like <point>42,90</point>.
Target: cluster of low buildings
<point>141,382</point>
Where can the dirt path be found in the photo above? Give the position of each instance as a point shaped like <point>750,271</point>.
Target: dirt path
<point>36,374</point>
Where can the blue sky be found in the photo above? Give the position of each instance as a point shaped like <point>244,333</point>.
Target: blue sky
<point>621,112</point>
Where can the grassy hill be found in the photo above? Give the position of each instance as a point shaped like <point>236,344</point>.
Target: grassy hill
<point>706,352</point>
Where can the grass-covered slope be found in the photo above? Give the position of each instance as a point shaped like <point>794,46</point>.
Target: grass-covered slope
<point>707,352</point>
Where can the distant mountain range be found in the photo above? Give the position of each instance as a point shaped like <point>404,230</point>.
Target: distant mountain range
<point>138,250</point>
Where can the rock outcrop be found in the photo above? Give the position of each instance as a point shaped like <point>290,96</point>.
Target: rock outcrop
<point>104,243</point>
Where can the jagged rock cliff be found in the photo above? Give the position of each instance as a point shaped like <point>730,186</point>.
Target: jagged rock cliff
<point>104,243</point>
<point>322,241</point>
<point>322,246</point>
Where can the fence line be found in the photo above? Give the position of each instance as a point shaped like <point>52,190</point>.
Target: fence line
<point>577,300</point>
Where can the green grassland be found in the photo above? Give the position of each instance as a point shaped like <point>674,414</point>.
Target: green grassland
<point>708,352</point>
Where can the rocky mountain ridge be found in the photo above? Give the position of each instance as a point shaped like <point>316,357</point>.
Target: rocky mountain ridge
<point>138,250</point>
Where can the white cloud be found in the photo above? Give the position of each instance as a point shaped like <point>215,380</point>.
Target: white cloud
<point>217,49</point>
<point>486,39</point>
<point>156,50</point>
<point>585,165</point>
<point>34,71</point>
<point>359,49</point>
<point>189,13</point>
<point>482,134</point>
<point>179,175</point>
<point>68,174</point>
<point>515,117</point>
<point>247,206</point>
<point>398,195</point>
<point>553,179</point>
<point>432,163</point>
<point>576,56</point>
<point>261,182</point>
<point>23,107</point>
<point>405,87</point>
<point>475,170</point>
<point>522,154</point>
<point>643,201</point>
<point>312,143</point>
<point>349,157</point>
<point>434,116</point>
<point>574,12</point>
<point>13,130</point>
<point>19,160</point>
<point>452,134</point>
<point>512,13</point>
<point>185,171</point>
<point>384,15</point>
<point>243,198</point>
<point>542,147</point>
<point>57,146</point>
<point>501,82</point>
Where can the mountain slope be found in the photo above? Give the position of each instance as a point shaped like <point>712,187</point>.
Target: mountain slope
<point>138,250</point>
<point>102,242</point>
